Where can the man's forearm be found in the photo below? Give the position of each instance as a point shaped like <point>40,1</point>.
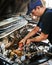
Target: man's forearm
<point>33,32</point>
<point>36,39</point>
<point>39,38</point>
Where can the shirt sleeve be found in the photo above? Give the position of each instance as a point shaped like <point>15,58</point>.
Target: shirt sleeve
<point>46,23</point>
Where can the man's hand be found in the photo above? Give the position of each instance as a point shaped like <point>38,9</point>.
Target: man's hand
<point>23,41</point>
<point>21,44</point>
<point>28,41</point>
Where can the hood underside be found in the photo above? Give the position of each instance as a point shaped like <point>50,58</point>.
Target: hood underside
<point>12,7</point>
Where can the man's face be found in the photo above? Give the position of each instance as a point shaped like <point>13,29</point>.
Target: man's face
<point>36,12</point>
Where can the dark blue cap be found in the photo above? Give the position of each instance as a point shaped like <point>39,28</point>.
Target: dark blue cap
<point>32,5</point>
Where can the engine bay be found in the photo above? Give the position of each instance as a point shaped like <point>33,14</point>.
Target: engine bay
<point>34,53</point>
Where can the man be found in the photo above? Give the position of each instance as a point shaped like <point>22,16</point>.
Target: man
<point>45,23</point>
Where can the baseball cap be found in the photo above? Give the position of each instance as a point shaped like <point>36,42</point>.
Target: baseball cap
<point>32,5</point>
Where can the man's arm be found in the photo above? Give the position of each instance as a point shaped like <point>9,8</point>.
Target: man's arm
<point>30,34</point>
<point>33,32</point>
<point>39,38</point>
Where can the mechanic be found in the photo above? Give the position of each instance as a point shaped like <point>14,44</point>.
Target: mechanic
<point>45,23</point>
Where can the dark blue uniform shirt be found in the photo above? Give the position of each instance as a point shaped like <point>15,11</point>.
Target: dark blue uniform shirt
<point>45,23</point>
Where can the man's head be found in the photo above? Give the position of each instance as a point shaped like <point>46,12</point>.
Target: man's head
<point>36,7</point>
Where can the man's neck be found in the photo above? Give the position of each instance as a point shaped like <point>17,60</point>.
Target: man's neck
<point>43,10</point>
